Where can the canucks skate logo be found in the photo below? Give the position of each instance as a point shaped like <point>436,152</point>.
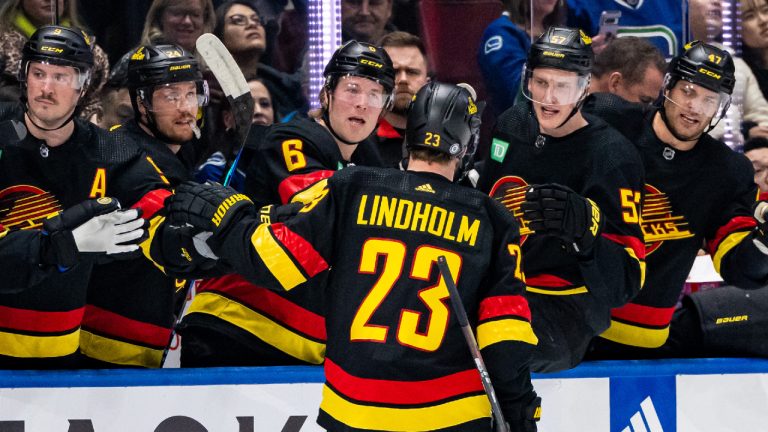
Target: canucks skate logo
<point>631,4</point>
<point>659,222</point>
<point>510,191</point>
<point>24,207</point>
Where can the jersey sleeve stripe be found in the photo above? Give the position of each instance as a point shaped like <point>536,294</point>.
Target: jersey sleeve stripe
<point>119,352</point>
<point>497,306</point>
<point>505,330</point>
<point>647,315</point>
<point>36,346</point>
<point>259,325</point>
<point>365,417</point>
<point>557,291</point>
<point>27,320</point>
<point>402,392</point>
<point>276,259</point>
<point>634,243</point>
<point>113,324</point>
<point>3,231</point>
<point>264,301</point>
<point>152,202</point>
<point>294,184</point>
<point>547,280</point>
<point>628,334</point>
<point>737,224</point>
<point>301,250</point>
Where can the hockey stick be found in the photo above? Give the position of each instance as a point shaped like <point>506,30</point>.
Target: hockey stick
<point>235,87</point>
<point>461,316</point>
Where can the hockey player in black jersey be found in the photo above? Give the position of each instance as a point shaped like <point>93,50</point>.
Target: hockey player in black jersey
<point>56,162</point>
<point>574,183</point>
<point>233,322</point>
<point>168,94</point>
<point>697,192</point>
<point>369,242</point>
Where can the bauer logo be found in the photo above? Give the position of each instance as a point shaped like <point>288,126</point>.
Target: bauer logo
<point>643,404</point>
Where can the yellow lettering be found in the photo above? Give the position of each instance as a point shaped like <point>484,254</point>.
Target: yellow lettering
<point>99,186</point>
<point>468,233</point>
<point>404,211</point>
<point>361,211</point>
<point>420,218</point>
<point>387,211</point>
<point>437,218</point>
<point>448,226</point>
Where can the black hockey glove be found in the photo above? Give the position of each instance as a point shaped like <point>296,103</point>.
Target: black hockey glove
<point>208,207</point>
<point>524,418</point>
<point>93,226</point>
<point>555,210</point>
<point>760,211</point>
<point>270,214</point>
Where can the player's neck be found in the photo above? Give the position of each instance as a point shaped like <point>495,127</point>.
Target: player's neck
<point>446,170</point>
<point>666,136</point>
<point>396,120</point>
<point>52,138</point>
<point>576,122</point>
<point>171,146</point>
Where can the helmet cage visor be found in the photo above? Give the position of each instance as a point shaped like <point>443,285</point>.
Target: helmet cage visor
<point>63,76</point>
<point>551,86</point>
<point>175,96</point>
<point>350,92</point>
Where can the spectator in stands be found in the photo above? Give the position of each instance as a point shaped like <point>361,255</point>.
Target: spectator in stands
<point>225,150</point>
<point>748,114</point>
<point>505,44</point>
<point>18,21</point>
<point>756,150</point>
<point>629,67</point>
<point>115,97</point>
<point>660,21</point>
<point>366,20</point>
<point>240,27</point>
<point>409,58</point>
<point>178,22</point>
<point>754,24</point>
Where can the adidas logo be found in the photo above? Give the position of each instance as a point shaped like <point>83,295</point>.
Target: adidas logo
<point>426,187</point>
<point>645,420</point>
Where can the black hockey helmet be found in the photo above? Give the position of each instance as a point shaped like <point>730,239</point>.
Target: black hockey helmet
<point>562,48</point>
<point>151,66</point>
<point>360,59</point>
<point>705,65</point>
<point>59,45</point>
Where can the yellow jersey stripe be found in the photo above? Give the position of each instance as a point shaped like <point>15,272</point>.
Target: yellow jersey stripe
<point>547,291</point>
<point>258,325</point>
<point>276,259</point>
<point>27,346</point>
<point>726,245</point>
<point>640,263</point>
<point>491,332</point>
<point>405,419</point>
<point>118,352</point>
<point>636,336</point>
<point>146,245</point>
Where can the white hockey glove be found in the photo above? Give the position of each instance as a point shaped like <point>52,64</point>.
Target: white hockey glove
<point>111,233</point>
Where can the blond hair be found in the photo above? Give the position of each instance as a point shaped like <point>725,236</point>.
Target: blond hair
<point>153,31</point>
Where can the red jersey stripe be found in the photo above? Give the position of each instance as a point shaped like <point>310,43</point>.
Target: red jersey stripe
<point>294,184</point>
<point>110,323</point>
<point>263,300</point>
<point>152,202</point>
<point>386,130</point>
<point>301,250</point>
<point>633,243</point>
<point>739,223</point>
<point>497,306</point>
<point>402,392</point>
<point>647,315</point>
<point>39,321</point>
<point>546,280</point>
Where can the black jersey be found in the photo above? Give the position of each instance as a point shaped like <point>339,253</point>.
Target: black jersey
<point>700,197</point>
<point>293,164</point>
<point>132,303</point>
<point>396,356</point>
<point>571,297</point>
<point>42,319</point>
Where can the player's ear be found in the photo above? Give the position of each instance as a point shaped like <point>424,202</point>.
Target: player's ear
<point>614,81</point>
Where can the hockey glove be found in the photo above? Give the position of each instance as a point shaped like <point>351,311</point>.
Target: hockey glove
<point>524,418</point>
<point>760,211</point>
<point>555,210</point>
<point>94,226</point>
<point>270,214</point>
<point>207,207</point>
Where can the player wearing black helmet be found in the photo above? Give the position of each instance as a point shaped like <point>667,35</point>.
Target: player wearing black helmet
<point>574,183</point>
<point>697,192</point>
<point>396,358</point>
<point>293,164</point>
<point>52,161</point>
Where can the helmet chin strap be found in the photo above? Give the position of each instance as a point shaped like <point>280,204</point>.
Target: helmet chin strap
<point>25,102</point>
<point>671,130</point>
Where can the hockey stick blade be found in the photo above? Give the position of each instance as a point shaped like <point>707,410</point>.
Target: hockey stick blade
<point>234,85</point>
<point>500,425</point>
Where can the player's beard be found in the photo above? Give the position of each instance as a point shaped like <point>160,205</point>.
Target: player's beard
<point>402,102</point>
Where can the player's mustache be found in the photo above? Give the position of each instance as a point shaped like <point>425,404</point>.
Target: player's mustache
<point>48,98</point>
